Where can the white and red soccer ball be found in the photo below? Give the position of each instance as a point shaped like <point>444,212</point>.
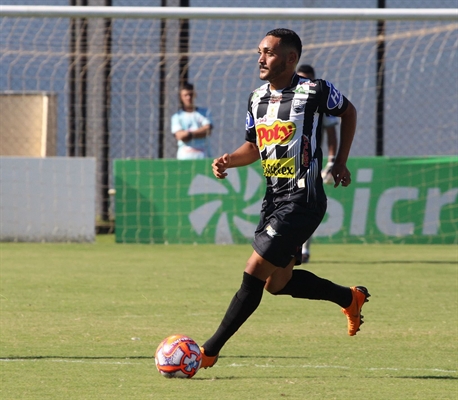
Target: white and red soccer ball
<point>178,356</point>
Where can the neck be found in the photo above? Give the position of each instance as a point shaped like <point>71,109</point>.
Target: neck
<point>281,82</point>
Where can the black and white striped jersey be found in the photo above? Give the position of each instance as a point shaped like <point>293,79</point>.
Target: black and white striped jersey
<point>286,127</point>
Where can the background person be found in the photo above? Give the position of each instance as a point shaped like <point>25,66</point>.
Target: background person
<point>329,124</point>
<point>282,130</point>
<point>191,126</point>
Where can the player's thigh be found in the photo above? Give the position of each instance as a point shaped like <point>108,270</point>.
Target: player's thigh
<point>283,230</point>
<point>259,267</point>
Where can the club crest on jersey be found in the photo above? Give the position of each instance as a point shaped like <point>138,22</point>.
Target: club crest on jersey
<point>335,98</point>
<point>279,132</point>
<point>249,122</point>
<point>298,105</point>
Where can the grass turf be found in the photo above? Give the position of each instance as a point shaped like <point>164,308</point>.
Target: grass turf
<point>83,322</point>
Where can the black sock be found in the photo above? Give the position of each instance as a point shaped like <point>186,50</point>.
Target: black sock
<point>243,304</point>
<point>305,285</point>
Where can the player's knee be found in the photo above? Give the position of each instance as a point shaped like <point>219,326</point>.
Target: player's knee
<point>273,286</point>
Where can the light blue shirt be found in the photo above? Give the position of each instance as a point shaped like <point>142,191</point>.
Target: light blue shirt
<point>195,148</point>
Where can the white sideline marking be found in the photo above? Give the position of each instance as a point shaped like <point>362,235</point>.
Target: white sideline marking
<point>235,365</point>
<point>68,361</point>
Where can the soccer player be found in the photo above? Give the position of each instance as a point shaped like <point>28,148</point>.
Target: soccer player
<point>329,123</point>
<point>283,126</point>
<point>191,126</point>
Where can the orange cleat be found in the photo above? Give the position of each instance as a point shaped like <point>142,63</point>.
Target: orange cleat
<point>353,312</point>
<point>207,361</point>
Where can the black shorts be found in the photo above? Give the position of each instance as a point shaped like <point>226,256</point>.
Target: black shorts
<point>283,227</point>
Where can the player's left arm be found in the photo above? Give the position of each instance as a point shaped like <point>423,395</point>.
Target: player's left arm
<point>340,171</point>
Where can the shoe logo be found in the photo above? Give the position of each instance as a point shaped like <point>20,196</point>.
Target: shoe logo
<point>234,211</point>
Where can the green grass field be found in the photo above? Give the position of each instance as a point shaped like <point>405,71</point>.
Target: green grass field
<point>83,322</point>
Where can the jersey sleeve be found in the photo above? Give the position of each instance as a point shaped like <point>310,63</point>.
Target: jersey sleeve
<point>250,128</point>
<point>175,124</point>
<point>332,101</point>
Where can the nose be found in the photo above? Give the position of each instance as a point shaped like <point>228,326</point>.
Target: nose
<point>261,58</point>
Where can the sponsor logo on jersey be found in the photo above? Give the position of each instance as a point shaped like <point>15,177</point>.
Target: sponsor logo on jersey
<point>304,90</point>
<point>305,151</point>
<point>307,82</point>
<point>275,99</point>
<point>261,120</point>
<point>271,231</point>
<point>282,168</point>
<point>279,132</point>
<point>335,98</point>
<point>255,94</point>
<point>249,122</point>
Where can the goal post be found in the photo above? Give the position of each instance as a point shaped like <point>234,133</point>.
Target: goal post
<point>238,13</point>
<point>125,73</point>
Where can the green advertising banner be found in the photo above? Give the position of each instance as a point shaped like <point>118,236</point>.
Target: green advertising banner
<point>390,200</point>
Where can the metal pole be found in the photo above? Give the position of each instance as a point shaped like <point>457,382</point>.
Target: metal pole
<point>105,153</point>
<point>162,84</point>
<point>184,46</point>
<point>83,74</point>
<point>72,88</point>
<point>380,88</point>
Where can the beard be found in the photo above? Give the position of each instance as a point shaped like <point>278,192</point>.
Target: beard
<point>273,72</point>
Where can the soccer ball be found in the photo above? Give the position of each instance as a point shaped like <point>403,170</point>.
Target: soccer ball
<point>178,356</point>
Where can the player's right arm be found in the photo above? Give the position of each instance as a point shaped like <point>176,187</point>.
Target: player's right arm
<point>340,171</point>
<point>246,154</point>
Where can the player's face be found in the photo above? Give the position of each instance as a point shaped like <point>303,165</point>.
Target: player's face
<point>272,59</point>
<point>187,98</point>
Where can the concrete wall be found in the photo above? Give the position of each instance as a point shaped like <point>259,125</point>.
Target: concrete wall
<point>47,199</point>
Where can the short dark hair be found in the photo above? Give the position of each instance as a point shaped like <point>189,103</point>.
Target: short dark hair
<point>186,86</point>
<point>306,69</point>
<point>288,38</point>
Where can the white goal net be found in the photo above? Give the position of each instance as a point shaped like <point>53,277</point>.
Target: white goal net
<point>117,79</point>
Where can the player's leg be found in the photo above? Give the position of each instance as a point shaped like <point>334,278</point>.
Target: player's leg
<point>269,253</point>
<point>243,304</point>
<point>306,285</point>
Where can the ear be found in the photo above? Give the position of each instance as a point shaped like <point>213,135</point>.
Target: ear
<point>293,57</point>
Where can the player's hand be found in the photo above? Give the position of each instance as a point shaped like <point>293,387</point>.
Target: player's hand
<point>341,175</point>
<point>220,165</point>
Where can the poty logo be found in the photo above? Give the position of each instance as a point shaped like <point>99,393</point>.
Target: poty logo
<point>278,133</point>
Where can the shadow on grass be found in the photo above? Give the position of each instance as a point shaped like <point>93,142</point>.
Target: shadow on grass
<point>382,262</point>
<point>76,358</point>
<point>131,357</point>
<point>439,377</point>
